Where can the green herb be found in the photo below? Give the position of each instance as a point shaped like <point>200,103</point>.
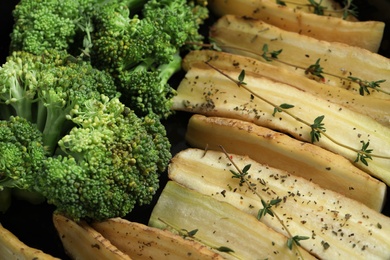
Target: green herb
<point>270,56</point>
<point>241,78</point>
<point>317,128</point>
<point>281,107</point>
<point>279,2</point>
<point>315,70</point>
<point>364,153</point>
<point>349,9</point>
<point>267,208</point>
<point>318,8</point>
<point>224,249</point>
<point>295,240</point>
<point>364,85</point>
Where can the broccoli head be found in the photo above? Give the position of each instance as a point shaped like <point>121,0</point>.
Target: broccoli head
<point>110,162</point>
<point>45,88</point>
<point>22,155</point>
<point>141,49</point>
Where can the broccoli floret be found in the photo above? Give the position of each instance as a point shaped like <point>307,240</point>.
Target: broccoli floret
<point>45,88</point>
<point>127,44</point>
<point>148,90</point>
<point>22,155</point>
<point>112,161</point>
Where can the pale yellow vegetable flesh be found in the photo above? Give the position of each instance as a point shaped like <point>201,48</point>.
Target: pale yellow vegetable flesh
<point>367,35</point>
<point>81,242</point>
<point>328,170</point>
<point>338,227</point>
<point>248,36</point>
<point>220,225</point>
<point>377,108</point>
<point>12,248</point>
<point>209,92</point>
<point>143,242</point>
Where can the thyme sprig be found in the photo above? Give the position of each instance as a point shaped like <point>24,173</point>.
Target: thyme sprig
<point>318,71</point>
<point>349,8</point>
<point>192,235</point>
<point>268,208</point>
<point>364,153</point>
<point>318,129</point>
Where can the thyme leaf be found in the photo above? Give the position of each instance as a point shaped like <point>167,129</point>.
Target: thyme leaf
<point>315,70</point>
<point>270,56</point>
<point>281,107</point>
<point>365,85</point>
<point>279,2</point>
<point>224,249</point>
<point>267,208</point>
<point>317,128</point>
<point>318,8</point>
<point>295,240</point>
<point>349,9</point>
<point>364,153</point>
<point>241,78</point>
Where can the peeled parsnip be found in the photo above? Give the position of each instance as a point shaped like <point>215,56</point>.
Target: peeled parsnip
<point>12,248</point>
<point>328,170</point>
<point>143,242</point>
<point>377,108</point>
<point>220,225</point>
<point>367,35</point>
<point>81,241</point>
<point>247,37</point>
<point>211,92</point>
<point>337,227</point>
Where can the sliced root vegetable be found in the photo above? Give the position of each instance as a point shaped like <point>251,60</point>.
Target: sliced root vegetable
<point>220,225</point>
<point>83,242</point>
<point>13,248</point>
<point>367,34</point>
<point>377,108</point>
<point>142,242</point>
<point>328,170</point>
<point>298,52</point>
<point>212,92</point>
<point>337,227</point>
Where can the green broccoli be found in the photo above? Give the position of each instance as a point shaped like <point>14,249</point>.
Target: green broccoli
<point>111,162</point>
<point>22,155</point>
<point>45,88</point>
<point>103,158</point>
<point>129,44</point>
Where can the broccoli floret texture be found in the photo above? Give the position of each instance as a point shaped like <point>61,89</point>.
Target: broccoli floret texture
<point>111,162</point>
<point>83,94</point>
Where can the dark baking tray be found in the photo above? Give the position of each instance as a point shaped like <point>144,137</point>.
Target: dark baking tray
<point>33,223</point>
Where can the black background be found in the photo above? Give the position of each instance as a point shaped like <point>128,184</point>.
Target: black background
<point>33,223</point>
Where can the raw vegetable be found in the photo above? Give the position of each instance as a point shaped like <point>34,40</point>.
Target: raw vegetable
<point>12,248</point>
<point>281,107</point>
<point>367,35</point>
<point>336,226</point>
<point>377,108</point>
<point>328,62</point>
<point>81,241</point>
<point>236,234</point>
<point>88,154</point>
<point>143,242</point>
<point>328,170</point>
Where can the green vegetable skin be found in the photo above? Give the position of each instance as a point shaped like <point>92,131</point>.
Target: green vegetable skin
<point>89,88</point>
